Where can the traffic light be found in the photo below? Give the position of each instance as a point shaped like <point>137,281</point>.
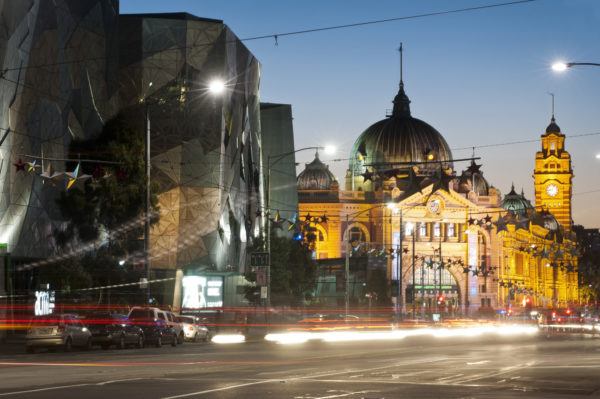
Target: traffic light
<point>441,300</point>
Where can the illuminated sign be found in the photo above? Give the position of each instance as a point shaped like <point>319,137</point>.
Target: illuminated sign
<point>44,303</point>
<point>202,292</point>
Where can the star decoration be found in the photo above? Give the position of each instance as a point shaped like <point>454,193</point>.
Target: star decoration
<point>405,250</point>
<point>20,165</point>
<point>442,181</point>
<point>367,175</point>
<point>414,181</point>
<point>474,168</point>
<point>523,223</point>
<point>49,174</point>
<point>501,225</point>
<point>73,177</point>
<point>488,219</point>
<point>31,166</point>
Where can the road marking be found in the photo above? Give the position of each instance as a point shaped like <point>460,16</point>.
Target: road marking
<point>185,395</point>
<point>342,395</point>
<point>449,378</point>
<point>44,389</point>
<point>117,381</point>
<point>480,362</point>
<point>316,376</point>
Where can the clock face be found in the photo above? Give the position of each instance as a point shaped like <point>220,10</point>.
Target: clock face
<point>552,190</point>
<point>434,206</point>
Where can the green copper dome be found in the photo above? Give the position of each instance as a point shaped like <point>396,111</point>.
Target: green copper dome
<point>400,138</point>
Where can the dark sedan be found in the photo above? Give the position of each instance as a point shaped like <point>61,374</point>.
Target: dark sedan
<point>109,329</point>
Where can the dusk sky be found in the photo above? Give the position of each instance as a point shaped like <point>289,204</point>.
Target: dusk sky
<point>479,77</point>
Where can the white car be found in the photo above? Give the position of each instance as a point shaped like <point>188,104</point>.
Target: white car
<point>57,330</point>
<point>193,330</point>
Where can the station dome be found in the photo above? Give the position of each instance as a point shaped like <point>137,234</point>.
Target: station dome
<point>316,176</point>
<point>472,179</point>
<point>516,203</point>
<point>400,138</point>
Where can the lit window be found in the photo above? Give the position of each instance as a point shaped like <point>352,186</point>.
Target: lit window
<point>409,228</point>
<point>451,230</point>
<point>436,229</point>
<point>422,229</point>
<point>552,146</point>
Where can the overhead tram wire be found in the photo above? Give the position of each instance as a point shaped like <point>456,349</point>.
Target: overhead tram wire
<point>275,36</point>
<point>507,143</point>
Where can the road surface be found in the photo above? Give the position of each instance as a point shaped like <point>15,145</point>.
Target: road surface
<point>424,367</point>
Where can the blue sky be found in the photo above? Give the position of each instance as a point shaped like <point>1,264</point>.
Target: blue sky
<point>480,77</point>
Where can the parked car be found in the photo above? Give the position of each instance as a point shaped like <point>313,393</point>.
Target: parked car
<point>110,329</point>
<point>154,324</point>
<point>173,321</point>
<point>193,330</point>
<point>57,330</point>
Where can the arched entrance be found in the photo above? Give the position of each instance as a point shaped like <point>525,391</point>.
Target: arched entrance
<point>430,284</point>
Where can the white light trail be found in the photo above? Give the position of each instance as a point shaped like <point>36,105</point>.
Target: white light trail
<point>228,339</point>
<point>295,338</point>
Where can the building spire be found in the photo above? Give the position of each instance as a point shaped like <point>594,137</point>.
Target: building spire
<point>401,101</point>
<point>401,62</point>
<point>552,127</point>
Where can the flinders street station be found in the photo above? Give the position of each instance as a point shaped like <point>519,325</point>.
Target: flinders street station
<point>411,225</point>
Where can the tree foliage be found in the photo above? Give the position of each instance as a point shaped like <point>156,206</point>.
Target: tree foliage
<point>293,272</point>
<point>106,213</point>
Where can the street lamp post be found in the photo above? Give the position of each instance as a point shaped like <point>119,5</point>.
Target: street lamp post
<point>272,160</point>
<point>215,87</point>
<point>400,301</point>
<point>563,66</point>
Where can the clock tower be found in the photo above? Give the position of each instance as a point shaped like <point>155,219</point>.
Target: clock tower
<point>553,176</point>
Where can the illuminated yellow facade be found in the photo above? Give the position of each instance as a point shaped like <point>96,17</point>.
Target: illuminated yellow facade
<point>461,239</point>
<point>553,176</point>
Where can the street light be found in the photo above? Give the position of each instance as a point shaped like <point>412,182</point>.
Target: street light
<point>563,66</point>
<point>216,87</point>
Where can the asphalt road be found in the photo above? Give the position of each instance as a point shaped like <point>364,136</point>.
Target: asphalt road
<point>424,367</point>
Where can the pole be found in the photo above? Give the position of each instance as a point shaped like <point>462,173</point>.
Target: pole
<point>422,285</point>
<point>400,302</point>
<point>413,273</point>
<point>268,210</point>
<point>147,218</point>
<point>347,268</point>
<point>441,267</point>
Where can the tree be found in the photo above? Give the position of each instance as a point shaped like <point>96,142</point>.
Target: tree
<point>293,272</point>
<point>107,211</point>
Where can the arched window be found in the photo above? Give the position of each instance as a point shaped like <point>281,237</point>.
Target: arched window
<point>356,234</point>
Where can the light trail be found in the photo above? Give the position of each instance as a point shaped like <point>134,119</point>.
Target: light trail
<point>228,339</point>
<point>294,338</point>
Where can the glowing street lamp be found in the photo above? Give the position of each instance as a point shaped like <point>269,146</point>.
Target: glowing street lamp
<point>216,86</point>
<point>563,66</point>
<point>559,67</point>
<point>329,149</point>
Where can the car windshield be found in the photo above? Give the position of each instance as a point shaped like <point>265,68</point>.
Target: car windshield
<point>141,314</point>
